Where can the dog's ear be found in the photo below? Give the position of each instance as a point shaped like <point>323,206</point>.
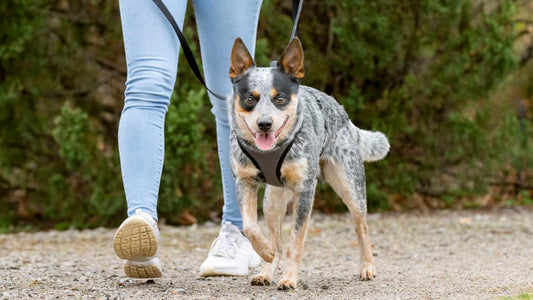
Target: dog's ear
<point>292,59</point>
<point>241,59</point>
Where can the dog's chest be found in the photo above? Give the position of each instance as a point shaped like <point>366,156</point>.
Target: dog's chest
<point>294,172</point>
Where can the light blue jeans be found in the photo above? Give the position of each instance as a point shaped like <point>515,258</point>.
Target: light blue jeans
<point>152,50</point>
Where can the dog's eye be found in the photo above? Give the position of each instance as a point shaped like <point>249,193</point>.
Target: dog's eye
<point>249,100</point>
<point>280,99</point>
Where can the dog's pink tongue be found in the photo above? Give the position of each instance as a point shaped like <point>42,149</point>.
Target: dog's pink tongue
<point>265,141</point>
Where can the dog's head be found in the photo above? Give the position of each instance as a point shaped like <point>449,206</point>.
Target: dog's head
<point>265,100</point>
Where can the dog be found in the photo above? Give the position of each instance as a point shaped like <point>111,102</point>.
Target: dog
<point>271,113</point>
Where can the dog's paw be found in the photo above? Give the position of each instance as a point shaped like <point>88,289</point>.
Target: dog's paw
<point>267,253</point>
<point>286,285</point>
<point>260,280</point>
<point>368,271</point>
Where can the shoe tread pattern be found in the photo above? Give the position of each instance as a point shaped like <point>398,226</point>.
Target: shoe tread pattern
<point>135,240</point>
<point>142,271</point>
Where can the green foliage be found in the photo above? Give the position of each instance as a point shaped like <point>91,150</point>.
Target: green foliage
<point>527,198</point>
<point>20,22</point>
<point>420,71</point>
<point>88,181</point>
<point>524,296</point>
<point>71,128</point>
<point>55,162</point>
<point>523,198</point>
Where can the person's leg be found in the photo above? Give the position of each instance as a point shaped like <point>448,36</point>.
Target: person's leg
<point>219,23</point>
<point>151,50</point>
<point>152,56</point>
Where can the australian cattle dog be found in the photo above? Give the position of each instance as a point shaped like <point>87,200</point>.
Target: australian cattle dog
<point>288,136</point>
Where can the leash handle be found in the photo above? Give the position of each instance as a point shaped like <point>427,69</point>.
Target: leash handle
<point>185,46</point>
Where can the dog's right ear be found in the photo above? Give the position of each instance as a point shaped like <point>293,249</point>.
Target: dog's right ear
<point>241,59</point>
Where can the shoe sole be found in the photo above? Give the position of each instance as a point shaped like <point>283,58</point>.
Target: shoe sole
<point>135,240</point>
<point>210,271</point>
<point>142,271</point>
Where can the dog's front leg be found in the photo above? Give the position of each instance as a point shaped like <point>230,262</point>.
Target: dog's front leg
<point>303,203</point>
<point>274,209</point>
<point>246,191</point>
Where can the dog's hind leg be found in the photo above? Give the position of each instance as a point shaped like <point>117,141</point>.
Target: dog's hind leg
<point>303,203</point>
<point>274,209</point>
<point>345,173</point>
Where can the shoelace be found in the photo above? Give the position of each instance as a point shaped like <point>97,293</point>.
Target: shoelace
<point>225,245</point>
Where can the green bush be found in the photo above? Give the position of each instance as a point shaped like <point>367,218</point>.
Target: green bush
<point>422,72</point>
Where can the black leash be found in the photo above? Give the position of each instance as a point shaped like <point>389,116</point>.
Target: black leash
<point>296,9</point>
<point>185,46</point>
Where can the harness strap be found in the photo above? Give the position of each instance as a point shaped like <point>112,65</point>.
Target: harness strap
<point>268,163</point>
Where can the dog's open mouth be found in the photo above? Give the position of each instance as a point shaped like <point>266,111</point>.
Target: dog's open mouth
<point>266,140</point>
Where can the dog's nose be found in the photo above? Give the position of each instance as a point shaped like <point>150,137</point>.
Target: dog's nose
<point>264,124</point>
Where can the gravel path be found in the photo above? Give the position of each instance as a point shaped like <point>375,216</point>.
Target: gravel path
<point>440,255</point>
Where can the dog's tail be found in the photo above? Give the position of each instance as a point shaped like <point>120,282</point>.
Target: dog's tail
<point>373,145</point>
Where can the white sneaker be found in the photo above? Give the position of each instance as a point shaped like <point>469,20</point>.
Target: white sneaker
<point>136,242</point>
<point>231,254</point>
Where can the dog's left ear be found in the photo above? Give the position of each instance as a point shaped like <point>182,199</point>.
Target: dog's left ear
<point>292,59</point>
<point>241,59</point>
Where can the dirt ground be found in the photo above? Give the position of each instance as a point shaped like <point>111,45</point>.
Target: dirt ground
<point>437,255</point>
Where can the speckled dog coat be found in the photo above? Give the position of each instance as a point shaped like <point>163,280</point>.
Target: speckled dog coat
<point>270,109</point>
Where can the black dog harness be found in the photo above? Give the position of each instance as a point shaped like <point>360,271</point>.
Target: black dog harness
<point>268,163</point>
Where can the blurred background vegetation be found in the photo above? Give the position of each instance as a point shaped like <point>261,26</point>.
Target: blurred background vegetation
<point>449,82</point>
